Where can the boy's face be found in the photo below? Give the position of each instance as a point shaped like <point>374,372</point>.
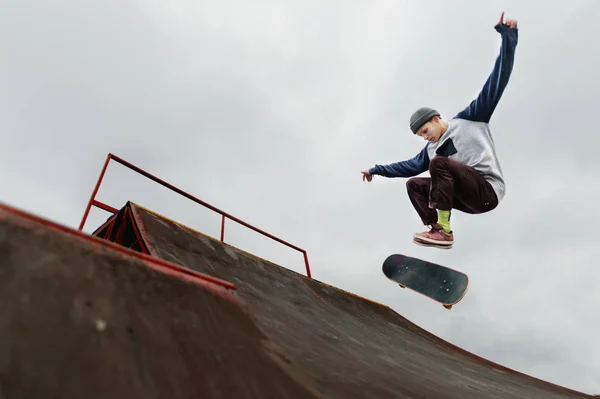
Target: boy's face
<point>432,130</point>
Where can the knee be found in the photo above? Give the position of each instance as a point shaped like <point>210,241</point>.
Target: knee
<point>439,162</point>
<point>416,184</point>
<point>411,184</point>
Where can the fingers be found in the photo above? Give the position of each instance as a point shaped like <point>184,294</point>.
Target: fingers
<point>511,23</point>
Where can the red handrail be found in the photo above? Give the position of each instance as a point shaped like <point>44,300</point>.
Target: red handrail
<point>224,215</point>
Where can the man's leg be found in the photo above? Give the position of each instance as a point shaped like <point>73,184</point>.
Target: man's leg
<point>458,186</point>
<point>418,193</point>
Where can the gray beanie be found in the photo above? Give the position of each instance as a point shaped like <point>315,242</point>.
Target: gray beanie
<point>420,117</point>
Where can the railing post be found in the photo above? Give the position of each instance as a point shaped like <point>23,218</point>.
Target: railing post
<point>222,228</point>
<point>307,266</point>
<point>93,196</point>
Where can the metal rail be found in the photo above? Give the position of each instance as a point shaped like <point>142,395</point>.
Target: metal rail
<point>224,215</point>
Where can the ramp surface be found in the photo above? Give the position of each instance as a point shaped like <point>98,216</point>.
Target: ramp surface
<point>343,345</point>
<point>81,320</point>
<point>85,318</point>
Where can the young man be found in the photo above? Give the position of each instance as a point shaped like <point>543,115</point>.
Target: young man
<point>460,155</point>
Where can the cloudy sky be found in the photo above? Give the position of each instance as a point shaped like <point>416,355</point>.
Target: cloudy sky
<point>270,110</point>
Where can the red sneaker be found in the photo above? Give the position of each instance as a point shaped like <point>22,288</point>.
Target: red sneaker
<point>436,235</point>
<point>430,245</point>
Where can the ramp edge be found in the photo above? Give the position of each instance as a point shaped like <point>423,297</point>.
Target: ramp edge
<point>155,263</point>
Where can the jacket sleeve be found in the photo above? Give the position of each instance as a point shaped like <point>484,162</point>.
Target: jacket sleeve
<point>411,167</point>
<point>482,108</point>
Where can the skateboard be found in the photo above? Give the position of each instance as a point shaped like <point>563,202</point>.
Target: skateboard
<point>440,283</point>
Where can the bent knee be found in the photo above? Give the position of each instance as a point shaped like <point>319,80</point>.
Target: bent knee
<point>417,183</point>
<point>439,161</point>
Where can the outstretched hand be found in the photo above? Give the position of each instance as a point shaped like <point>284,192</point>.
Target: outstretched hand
<point>511,23</point>
<point>367,176</point>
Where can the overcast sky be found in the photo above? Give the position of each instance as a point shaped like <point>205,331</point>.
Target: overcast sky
<point>270,110</point>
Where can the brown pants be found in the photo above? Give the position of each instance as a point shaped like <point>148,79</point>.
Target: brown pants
<point>452,185</point>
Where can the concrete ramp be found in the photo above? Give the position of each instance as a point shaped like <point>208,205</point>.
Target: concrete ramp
<point>182,315</point>
<point>83,319</point>
<point>343,345</point>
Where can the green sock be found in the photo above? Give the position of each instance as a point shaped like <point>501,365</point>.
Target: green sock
<point>444,219</point>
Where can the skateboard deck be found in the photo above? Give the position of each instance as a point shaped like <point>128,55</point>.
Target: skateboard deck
<point>440,283</point>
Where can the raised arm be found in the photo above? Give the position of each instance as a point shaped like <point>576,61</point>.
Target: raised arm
<point>411,167</point>
<point>482,108</point>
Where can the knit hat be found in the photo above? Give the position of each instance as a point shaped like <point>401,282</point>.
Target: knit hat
<point>420,117</point>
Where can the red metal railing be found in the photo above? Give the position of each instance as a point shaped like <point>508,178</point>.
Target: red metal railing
<point>224,215</point>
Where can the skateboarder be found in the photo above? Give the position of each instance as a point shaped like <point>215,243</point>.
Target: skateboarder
<point>460,155</point>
